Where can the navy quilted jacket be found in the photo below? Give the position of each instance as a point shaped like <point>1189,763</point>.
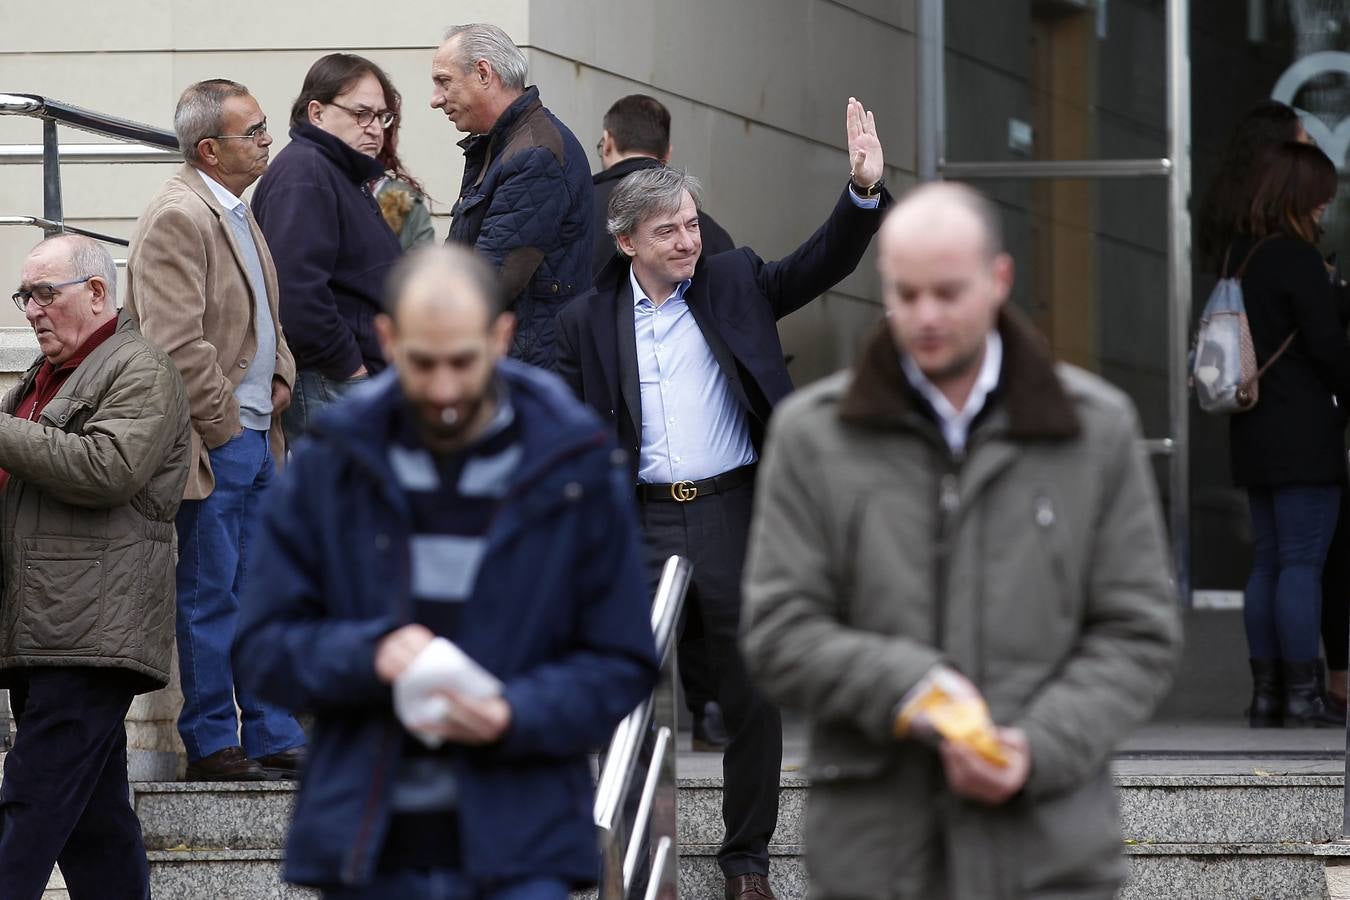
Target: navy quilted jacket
<point>525,205</point>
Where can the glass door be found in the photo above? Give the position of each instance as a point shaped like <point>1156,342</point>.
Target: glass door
<point>1072,115</point>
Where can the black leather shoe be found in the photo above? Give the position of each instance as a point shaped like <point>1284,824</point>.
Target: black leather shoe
<point>709,733</point>
<point>229,764</point>
<point>749,887</point>
<point>285,765</point>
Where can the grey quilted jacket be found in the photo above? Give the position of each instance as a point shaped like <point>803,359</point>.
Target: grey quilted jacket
<point>87,540</point>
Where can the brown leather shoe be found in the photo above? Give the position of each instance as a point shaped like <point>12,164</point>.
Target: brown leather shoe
<point>229,764</point>
<point>284,765</point>
<point>749,887</point>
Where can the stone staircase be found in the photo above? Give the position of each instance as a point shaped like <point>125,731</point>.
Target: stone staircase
<point>1231,836</point>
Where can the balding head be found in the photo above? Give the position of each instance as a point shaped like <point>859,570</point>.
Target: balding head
<point>444,274</point>
<point>944,278</point>
<point>63,318</point>
<point>945,211</point>
<point>444,330</point>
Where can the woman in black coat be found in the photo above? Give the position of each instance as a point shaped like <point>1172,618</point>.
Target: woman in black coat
<point>1289,451</point>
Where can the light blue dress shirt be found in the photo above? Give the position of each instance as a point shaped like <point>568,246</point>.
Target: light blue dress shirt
<point>692,425</point>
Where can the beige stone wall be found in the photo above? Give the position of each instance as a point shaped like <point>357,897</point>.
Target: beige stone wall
<point>756,88</point>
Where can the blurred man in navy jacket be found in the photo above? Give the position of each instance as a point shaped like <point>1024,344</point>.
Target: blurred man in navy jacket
<point>468,497</point>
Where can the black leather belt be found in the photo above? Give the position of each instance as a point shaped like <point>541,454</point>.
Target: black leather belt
<point>684,491</point>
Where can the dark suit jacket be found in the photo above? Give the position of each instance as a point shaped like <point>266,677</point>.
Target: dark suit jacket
<point>735,297</point>
<point>715,237</point>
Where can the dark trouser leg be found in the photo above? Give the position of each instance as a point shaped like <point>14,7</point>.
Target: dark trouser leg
<point>696,675</point>
<point>1258,606</point>
<point>712,532</point>
<point>1305,519</point>
<point>65,794</point>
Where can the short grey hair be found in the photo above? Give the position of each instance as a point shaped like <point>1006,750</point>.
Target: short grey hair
<point>646,193</point>
<point>88,257</point>
<point>200,111</point>
<point>488,42</point>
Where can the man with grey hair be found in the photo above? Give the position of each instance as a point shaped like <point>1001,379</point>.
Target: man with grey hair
<point>202,285</point>
<point>680,354</point>
<point>958,572</point>
<point>93,456</point>
<point>525,201</point>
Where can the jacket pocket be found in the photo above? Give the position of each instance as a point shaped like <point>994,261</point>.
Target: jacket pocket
<point>62,595</point>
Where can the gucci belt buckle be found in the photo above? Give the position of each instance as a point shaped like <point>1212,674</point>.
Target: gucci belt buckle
<point>683,491</point>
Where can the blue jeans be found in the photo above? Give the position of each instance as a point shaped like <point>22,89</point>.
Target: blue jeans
<point>445,884</point>
<point>1291,531</point>
<point>312,392</point>
<point>213,541</point>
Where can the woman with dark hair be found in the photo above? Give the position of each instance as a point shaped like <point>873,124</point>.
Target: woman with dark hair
<point>1289,450</point>
<point>1227,203</point>
<point>402,198</point>
<point>332,246</point>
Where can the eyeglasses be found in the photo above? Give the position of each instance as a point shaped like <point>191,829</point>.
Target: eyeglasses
<point>254,134</point>
<point>43,294</point>
<point>600,146</point>
<point>364,117</point>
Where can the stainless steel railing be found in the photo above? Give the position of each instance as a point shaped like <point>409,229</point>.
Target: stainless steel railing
<point>139,143</point>
<point>642,755</point>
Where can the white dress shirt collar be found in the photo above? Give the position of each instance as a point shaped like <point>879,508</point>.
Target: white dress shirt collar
<point>956,424</point>
<point>227,199</point>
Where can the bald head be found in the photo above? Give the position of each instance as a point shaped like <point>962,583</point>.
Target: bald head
<point>85,255</point>
<point>70,282</point>
<point>444,330</point>
<point>942,212</point>
<point>443,275</point>
<point>944,278</point>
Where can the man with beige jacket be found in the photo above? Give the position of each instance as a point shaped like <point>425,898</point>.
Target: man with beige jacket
<point>958,519</point>
<point>203,287</point>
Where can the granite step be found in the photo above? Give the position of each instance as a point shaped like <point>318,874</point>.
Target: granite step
<point>1237,835</point>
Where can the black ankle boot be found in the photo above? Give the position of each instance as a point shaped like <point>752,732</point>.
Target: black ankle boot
<point>1267,709</point>
<point>1304,706</point>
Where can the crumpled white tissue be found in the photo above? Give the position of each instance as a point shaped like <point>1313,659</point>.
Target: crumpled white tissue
<point>440,666</point>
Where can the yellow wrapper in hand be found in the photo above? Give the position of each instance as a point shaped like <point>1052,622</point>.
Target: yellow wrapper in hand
<point>962,720</point>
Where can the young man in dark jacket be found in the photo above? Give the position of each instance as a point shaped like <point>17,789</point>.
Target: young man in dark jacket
<point>466,498</point>
<point>525,202</point>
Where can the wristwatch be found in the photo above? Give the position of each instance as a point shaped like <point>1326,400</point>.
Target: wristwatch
<point>866,193</point>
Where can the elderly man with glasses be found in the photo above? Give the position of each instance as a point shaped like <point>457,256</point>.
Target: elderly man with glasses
<point>332,245</point>
<point>94,450</point>
<point>201,282</point>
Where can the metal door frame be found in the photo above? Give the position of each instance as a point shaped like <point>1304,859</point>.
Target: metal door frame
<point>932,164</point>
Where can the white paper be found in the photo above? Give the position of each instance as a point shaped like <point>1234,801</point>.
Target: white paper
<point>441,666</point>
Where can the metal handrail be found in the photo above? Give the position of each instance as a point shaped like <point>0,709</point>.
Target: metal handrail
<point>32,154</point>
<point>621,844</point>
<point>57,112</point>
<point>49,226</point>
<point>69,114</point>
